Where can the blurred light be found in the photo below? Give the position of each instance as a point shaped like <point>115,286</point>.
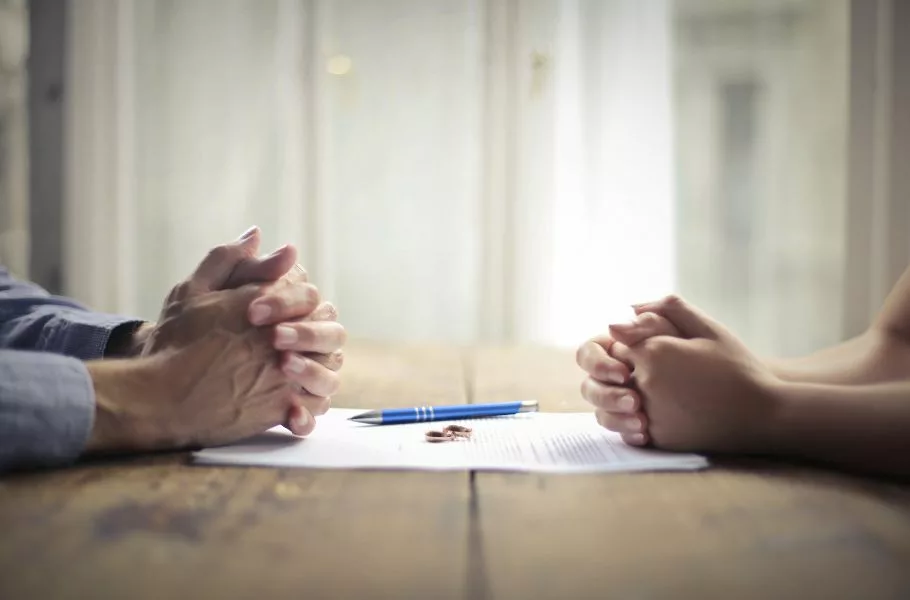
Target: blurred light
<point>339,64</point>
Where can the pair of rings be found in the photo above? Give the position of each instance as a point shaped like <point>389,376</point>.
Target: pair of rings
<point>449,434</point>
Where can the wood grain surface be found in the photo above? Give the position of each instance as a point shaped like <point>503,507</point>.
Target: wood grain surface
<point>742,529</point>
<point>158,527</point>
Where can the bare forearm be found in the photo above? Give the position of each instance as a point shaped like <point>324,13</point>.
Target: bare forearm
<point>124,389</point>
<point>858,427</point>
<point>875,356</point>
<point>821,365</point>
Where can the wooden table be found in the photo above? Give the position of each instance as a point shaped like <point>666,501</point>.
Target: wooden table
<point>157,527</point>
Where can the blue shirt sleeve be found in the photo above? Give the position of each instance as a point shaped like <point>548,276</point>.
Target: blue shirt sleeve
<point>47,409</point>
<point>47,399</point>
<point>32,319</point>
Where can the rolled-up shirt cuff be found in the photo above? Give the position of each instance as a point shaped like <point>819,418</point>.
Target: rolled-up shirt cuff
<point>83,335</point>
<point>47,409</point>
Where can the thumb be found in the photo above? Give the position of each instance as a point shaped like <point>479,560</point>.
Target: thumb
<point>218,265</point>
<point>690,321</point>
<point>265,270</point>
<point>645,325</point>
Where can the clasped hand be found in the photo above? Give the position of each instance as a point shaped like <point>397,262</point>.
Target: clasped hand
<point>675,378</point>
<point>241,345</point>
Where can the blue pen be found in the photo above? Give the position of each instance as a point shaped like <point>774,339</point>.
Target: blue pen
<point>419,414</point>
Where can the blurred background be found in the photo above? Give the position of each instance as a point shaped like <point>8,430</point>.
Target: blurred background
<point>453,170</point>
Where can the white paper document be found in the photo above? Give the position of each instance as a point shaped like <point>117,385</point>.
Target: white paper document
<point>534,442</point>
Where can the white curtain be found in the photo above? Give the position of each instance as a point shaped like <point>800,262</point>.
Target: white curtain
<point>217,132</point>
<point>612,202</point>
<point>368,133</point>
<point>458,170</point>
<point>399,139</point>
<point>14,218</point>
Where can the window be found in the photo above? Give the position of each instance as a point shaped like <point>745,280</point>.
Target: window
<point>495,171</point>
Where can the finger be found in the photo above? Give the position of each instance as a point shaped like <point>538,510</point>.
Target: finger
<point>610,397</point>
<point>286,303</point>
<point>623,423</point>
<point>310,336</point>
<point>324,312</point>
<point>333,360</point>
<point>310,375</point>
<point>271,268</point>
<point>299,420</point>
<point>316,405</point>
<point>300,273</point>
<point>216,268</point>
<point>622,353</point>
<point>690,321</point>
<point>642,327</point>
<point>593,358</point>
<point>636,439</point>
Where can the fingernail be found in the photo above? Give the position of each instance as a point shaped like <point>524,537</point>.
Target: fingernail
<point>248,233</point>
<point>260,312</point>
<point>278,251</point>
<point>615,378</point>
<point>302,420</point>
<point>626,403</point>
<point>297,364</point>
<point>285,336</point>
<point>637,438</point>
<point>633,423</point>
